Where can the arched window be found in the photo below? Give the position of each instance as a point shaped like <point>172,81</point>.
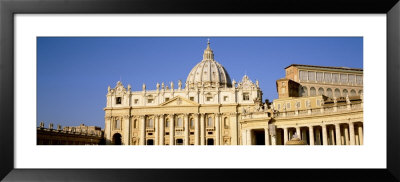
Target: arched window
<point>226,123</point>
<point>210,122</point>
<point>135,123</point>
<point>345,92</point>
<point>321,91</point>
<point>117,125</point>
<point>304,91</point>
<point>337,92</point>
<point>360,92</point>
<point>191,123</point>
<point>329,92</point>
<point>179,122</point>
<point>353,93</point>
<point>312,91</point>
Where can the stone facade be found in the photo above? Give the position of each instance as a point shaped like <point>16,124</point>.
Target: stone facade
<point>210,109</point>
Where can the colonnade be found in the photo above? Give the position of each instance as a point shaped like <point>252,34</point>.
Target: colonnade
<point>201,132</point>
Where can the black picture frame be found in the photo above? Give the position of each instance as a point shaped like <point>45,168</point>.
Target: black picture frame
<point>9,8</point>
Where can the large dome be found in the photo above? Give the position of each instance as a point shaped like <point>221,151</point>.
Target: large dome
<point>208,73</point>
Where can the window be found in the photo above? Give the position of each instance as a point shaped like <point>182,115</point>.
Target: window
<point>136,101</point>
<point>150,123</point>
<point>318,102</point>
<point>345,92</point>
<point>287,105</point>
<point>167,123</point>
<point>150,101</point>
<point>320,77</point>
<point>191,123</point>
<point>352,79</point>
<point>327,77</point>
<point>298,104</point>
<point>209,98</point>
<point>279,106</point>
<point>210,122</point>
<point>303,76</point>
<point>225,98</point>
<point>304,92</point>
<point>283,83</point>
<point>335,78</point>
<point>226,123</point>
<point>283,90</point>
<point>329,92</point>
<point>179,122</point>
<point>337,93</point>
<point>308,103</point>
<point>166,99</point>
<point>118,100</point>
<point>246,96</point>
<point>117,124</point>
<point>135,123</point>
<point>313,92</point>
<point>320,91</point>
<point>311,76</point>
<point>359,79</point>
<point>192,98</point>
<point>353,93</point>
<point>343,78</point>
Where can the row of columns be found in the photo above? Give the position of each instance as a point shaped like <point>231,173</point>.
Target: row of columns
<point>335,136</point>
<point>159,129</point>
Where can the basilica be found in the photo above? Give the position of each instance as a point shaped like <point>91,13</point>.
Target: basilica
<point>317,105</point>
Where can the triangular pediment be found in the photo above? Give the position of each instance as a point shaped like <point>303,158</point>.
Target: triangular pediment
<point>179,101</point>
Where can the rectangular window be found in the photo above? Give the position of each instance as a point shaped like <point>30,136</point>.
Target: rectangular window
<point>225,98</point>
<point>343,78</point>
<point>150,101</point>
<point>150,123</point>
<point>320,77</point>
<point>191,123</point>
<point>166,124</point>
<point>298,104</point>
<point>327,77</point>
<point>318,103</point>
<point>352,79</point>
<point>209,99</point>
<point>335,78</point>
<point>117,124</point>
<point>179,123</point>
<point>118,100</point>
<point>311,76</point>
<point>136,101</point>
<point>288,105</point>
<point>279,106</point>
<point>192,98</point>
<point>246,96</point>
<point>303,76</point>
<point>359,80</point>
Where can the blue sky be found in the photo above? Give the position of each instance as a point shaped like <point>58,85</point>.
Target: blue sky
<point>73,72</point>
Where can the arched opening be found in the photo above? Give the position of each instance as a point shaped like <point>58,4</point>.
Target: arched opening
<point>226,123</point>
<point>313,92</point>
<point>329,92</point>
<point>321,91</point>
<point>304,92</point>
<point>345,92</point>
<point>150,142</point>
<point>337,92</point>
<point>360,92</point>
<point>179,141</point>
<point>210,141</point>
<point>116,140</point>
<point>353,93</point>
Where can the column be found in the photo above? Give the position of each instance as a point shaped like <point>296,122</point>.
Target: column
<point>126,129</point>
<point>162,132</point>
<point>338,139</point>
<point>346,136</point>
<point>324,135</point>
<point>360,134</point>
<point>244,139</point>
<point>266,136</point>
<point>142,130</point>
<point>171,130</point>
<point>311,130</point>
<point>186,129</point>
<point>298,133</point>
<point>156,130</point>
<point>332,135</point>
<point>196,129</point>
<point>202,128</point>
<point>233,125</point>
<point>285,135</point>
<point>352,134</point>
<point>248,137</point>
<point>273,139</point>
<point>217,126</point>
